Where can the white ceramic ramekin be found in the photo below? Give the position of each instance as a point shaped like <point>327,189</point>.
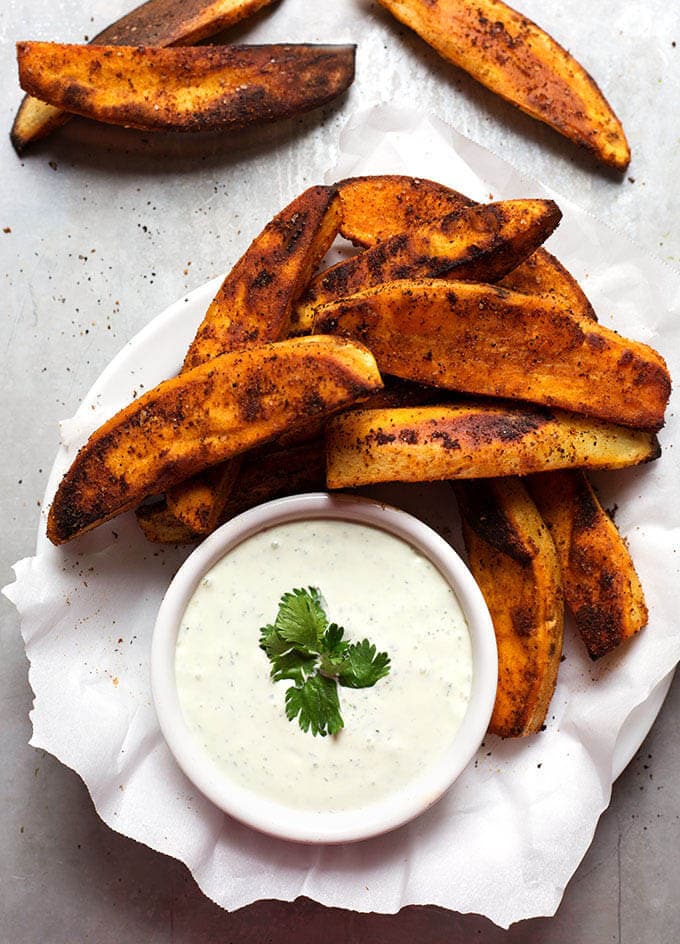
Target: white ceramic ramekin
<point>261,813</point>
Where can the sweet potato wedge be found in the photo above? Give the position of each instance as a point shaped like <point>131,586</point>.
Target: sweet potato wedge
<point>430,443</point>
<point>264,474</point>
<point>206,415</point>
<point>254,305</point>
<point>255,301</point>
<point>185,88</point>
<point>601,587</point>
<point>487,340</point>
<point>481,244</point>
<point>513,559</point>
<point>519,61</point>
<point>375,208</point>
<point>156,23</point>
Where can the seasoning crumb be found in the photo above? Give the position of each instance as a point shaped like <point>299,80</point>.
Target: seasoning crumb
<point>115,681</point>
<point>53,165</point>
<point>7,229</point>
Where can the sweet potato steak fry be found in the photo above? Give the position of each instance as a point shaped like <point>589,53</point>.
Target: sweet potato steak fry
<point>601,586</point>
<point>156,23</point>
<point>515,58</point>
<point>513,559</point>
<point>206,415</point>
<point>185,88</point>
<point>431,443</point>
<point>254,305</point>
<point>487,340</point>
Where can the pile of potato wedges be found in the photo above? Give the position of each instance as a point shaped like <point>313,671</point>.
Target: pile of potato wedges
<point>452,346</point>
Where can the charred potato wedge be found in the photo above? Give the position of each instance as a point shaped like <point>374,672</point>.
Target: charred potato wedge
<point>204,416</point>
<point>487,340</point>
<point>156,23</point>
<point>376,208</point>
<point>481,243</point>
<point>254,305</point>
<point>431,443</point>
<point>512,557</point>
<point>185,88</point>
<point>601,587</point>
<point>519,61</point>
<point>255,301</point>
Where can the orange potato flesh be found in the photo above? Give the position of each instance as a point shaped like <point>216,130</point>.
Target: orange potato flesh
<point>481,243</point>
<point>254,305</point>
<point>377,207</point>
<point>601,586</point>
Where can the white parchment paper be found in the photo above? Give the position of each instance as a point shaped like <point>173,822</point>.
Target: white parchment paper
<point>507,837</point>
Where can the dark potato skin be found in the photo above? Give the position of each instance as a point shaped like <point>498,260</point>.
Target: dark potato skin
<point>156,23</point>
<point>208,414</point>
<point>487,340</point>
<point>185,88</point>
<point>432,443</point>
<point>377,207</point>
<point>513,559</point>
<point>519,61</point>
<point>480,244</point>
<point>601,587</point>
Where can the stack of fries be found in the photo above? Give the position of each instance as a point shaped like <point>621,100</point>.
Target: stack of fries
<point>496,376</point>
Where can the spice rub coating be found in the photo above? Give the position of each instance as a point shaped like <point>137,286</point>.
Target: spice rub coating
<point>185,88</point>
<point>431,443</point>
<point>484,339</point>
<point>206,415</point>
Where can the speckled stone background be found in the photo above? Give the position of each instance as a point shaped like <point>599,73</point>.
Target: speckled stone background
<point>100,229</point>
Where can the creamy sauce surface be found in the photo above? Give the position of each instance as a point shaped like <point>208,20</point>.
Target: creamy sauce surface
<point>376,586</point>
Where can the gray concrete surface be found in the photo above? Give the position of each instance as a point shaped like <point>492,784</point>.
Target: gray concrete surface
<point>99,230</point>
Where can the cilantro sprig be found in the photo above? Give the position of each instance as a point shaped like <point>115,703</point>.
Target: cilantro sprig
<point>305,648</point>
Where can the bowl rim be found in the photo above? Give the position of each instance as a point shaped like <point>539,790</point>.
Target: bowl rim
<point>277,819</point>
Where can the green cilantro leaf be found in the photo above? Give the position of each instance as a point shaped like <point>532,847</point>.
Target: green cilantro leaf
<point>272,643</point>
<point>361,667</point>
<point>303,647</point>
<point>333,650</point>
<point>316,706</point>
<point>293,665</point>
<point>301,619</point>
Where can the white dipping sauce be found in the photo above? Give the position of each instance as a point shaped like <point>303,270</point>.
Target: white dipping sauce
<point>378,587</point>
